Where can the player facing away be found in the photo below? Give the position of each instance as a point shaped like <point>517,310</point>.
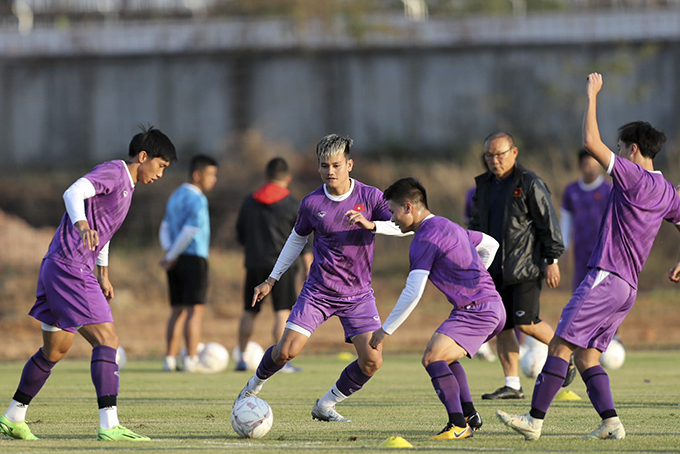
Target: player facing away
<point>339,282</point>
<point>455,260</point>
<point>71,298</point>
<point>185,238</point>
<point>583,204</point>
<point>639,201</point>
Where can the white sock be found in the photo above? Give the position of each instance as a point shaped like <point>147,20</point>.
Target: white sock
<point>108,417</point>
<point>255,384</point>
<point>16,411</point>
<point>513,382</point>
<point>332,397</point>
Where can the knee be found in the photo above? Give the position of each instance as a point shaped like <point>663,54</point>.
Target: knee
<point>428,359</point>
<point>109,340</point>
<point>54,354</point>
<point>371,364</point>
<point>283,353</point>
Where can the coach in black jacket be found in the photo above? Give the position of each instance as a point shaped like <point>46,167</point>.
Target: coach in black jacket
<point>513,205</point>
<point>264,223</point>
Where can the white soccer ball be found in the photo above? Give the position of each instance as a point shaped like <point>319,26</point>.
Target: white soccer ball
<point>614,357</point>
<point>533,360</point>
<point>252,356</point>
<point>486,353</point>
<point>251,417</point>
<point>183,352</point>
<point>214,357</point>
<point>121,357</point>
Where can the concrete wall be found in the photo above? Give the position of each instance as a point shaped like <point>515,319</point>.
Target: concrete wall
<point>432,87</point>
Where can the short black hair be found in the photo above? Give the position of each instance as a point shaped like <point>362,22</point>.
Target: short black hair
<point>154,142</point>
<point>648,139</point>
<point>200,162</point>
<point>277,169</point>
<point>499,135</point>
<point>582,154</point>
<point>406,190</point>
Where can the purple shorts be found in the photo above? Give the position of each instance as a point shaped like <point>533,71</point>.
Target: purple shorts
<point>596,310</point>
<point>358,314</point>
<point>69,296</point>
<point>474,325</point>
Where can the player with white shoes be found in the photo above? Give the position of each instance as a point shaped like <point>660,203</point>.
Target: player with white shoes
<point>641,198</point>
<point>339,282</point>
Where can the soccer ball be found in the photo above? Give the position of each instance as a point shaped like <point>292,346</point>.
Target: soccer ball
<point>183,352</point>
<point>214,357</point>
<point>614,357</point>
<point>252,356</point>
<point>251,417</point>
<point>533,360</point>
<point>121,357</point>
<point>486,353</point>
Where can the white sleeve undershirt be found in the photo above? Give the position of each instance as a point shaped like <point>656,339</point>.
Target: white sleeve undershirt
<point>388,228</point>
<point>290,252</point>
<point>75,196</point>
<point>103,257</point>
<point>565,226</point>
<point>487,249</point>
<point>408,300</point>
<point>164,236</point>
<point>182,242</point>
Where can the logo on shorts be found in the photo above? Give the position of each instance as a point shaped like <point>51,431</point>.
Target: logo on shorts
<point>520,313</point>
<point>321,214</point>
<point>376,318</point>
<point>125,193</point>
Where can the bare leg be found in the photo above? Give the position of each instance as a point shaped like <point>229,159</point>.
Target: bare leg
<point>194,328</point>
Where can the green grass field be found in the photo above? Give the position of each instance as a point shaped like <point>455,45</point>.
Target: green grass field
<point>190,413</point>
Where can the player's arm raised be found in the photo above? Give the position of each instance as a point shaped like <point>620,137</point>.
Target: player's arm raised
<point>592,141</point>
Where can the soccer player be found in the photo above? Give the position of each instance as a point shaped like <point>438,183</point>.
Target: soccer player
<point>583,205</point>
<point>639,201</point>
<point>72,298</point>
<point>446,254</point>
<point>339,281</point>
<point>264,222</point>
<point>185,238</point>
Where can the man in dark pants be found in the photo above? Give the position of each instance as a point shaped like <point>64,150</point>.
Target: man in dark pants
<point>513,205</point>
<point>264,223</point>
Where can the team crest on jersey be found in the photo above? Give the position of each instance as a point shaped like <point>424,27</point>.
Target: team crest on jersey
<point>360,207</point>
<point>321,214</point>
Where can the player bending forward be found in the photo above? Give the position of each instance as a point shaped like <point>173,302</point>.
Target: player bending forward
<point>71,299</point>
<point>639,201</point>
<point>339,281</point>
<point>455,260</point>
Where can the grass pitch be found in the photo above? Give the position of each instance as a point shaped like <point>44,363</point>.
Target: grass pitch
<point>190,413</point>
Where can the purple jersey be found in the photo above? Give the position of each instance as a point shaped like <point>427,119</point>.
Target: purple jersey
<point>638,202</point>
<point>447,251</point>
<point>105,213</point>
<point>343,253</point>
<point>586,206</point>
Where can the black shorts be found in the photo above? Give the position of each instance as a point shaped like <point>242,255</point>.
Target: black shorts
<point>521,301</point>
<point>283,293</point>
<point>188,281</point>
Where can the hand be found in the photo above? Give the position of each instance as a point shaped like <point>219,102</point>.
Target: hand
<point>377,338</point>
<point>166,264</point>
<point>89,237</point>
<point>356,217</point>
<point>261,291</point>
<point>552,275</point>
<point>107,289</point>
<point>674,273</point>
<point>594,84</point>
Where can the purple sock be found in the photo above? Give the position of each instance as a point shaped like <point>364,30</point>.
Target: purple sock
<point>267,366</point>
<point>446,386</point>
<point>548,383</point>
<point>104,371</point>
<point>461,378</point>
<point>599,391</point>
<point>36,372</point>
<point>351,380</point>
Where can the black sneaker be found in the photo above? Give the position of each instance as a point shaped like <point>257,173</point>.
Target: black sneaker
<point>571,373</point>
<point>474,421</point>
<point>505,392</point>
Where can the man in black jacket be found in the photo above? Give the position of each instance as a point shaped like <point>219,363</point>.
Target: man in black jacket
<point>264,223</point>
<point>513,205</point>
